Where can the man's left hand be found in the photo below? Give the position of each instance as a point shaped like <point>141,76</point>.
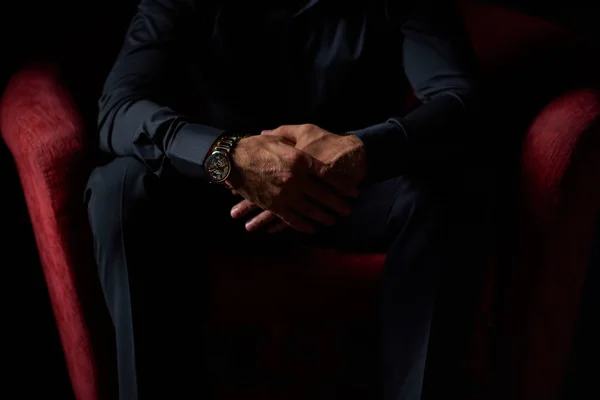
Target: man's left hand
<point>344,156</point>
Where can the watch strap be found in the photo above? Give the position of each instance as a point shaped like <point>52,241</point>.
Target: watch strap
<point>225,143</point>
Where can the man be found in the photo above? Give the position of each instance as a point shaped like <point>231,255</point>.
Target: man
<point>297,107</point>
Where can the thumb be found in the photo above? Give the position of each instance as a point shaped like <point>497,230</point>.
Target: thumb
<point>284,132</point>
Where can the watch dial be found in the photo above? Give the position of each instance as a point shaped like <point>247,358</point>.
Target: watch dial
<point>218,167</point>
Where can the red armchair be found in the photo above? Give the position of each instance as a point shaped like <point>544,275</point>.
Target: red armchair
<point>523,335</point>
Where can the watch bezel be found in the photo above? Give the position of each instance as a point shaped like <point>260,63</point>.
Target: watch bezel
<point>207,163</point>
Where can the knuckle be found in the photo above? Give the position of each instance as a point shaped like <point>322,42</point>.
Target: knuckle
<point>281,129</point>
<point>277,193</point>
<point>320,171</point>
<point>286,178</point>
<point>297,160</point>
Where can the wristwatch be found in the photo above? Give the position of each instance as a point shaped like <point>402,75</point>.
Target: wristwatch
<point>218,163</point>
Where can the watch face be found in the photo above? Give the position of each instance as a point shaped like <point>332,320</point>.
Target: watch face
<point>217,167</point>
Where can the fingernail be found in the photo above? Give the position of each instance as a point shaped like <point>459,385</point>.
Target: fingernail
<point>266,131</point>
<point>234,212</point>
<point>250,226</point>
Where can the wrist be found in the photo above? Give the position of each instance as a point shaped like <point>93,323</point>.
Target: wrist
<point>218,164</point>
<point>358,150</point>
<point>237,153</point>
<point>354,140</point>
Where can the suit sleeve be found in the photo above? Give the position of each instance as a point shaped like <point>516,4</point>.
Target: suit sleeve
<point>440,65</point>
<point>136,117</point>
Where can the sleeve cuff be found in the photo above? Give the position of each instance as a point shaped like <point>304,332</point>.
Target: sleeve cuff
<point>384,146</point>
<point>190,147</point>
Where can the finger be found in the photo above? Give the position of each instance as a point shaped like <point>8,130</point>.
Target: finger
<point>314,212</point>
<point>285,132</point>
<point>296,221</point>
<point>327,197</point>
<point>336,180</point>
<point>242,208</point>
<point>278,227</point>
<point>260,221</point>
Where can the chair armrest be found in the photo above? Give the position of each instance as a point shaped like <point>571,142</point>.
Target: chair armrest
<point>559,205</point>
<point>47,138</point>
<point>560,156</point>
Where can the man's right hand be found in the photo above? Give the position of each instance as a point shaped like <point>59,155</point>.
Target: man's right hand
<point>271,173</point>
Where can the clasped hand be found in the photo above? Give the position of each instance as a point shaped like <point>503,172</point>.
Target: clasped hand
<point>302,176</point>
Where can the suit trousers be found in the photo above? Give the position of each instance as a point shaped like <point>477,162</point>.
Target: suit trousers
<point>151,235</point>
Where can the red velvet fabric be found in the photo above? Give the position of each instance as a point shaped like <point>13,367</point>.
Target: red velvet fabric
<point>46,136</point>
<point>557,205</point>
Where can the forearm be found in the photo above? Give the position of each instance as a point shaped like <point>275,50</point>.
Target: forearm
<point>136,113</point>
<point>434,132</point>
<point>132,125</point>
<point>441,66</point>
